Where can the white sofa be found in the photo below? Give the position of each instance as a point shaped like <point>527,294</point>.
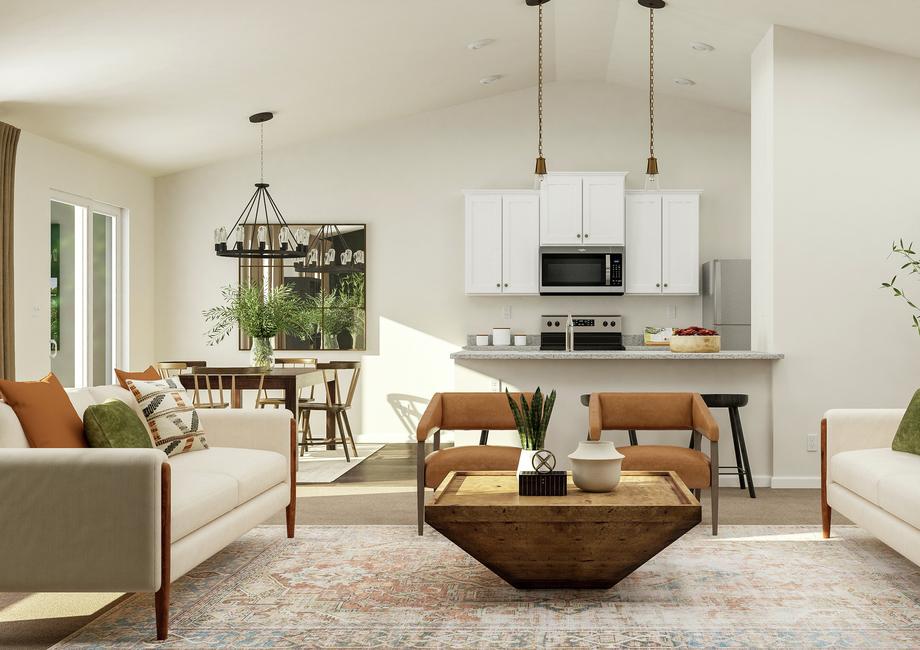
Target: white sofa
<point>863,479</point>
<point>132,519</point>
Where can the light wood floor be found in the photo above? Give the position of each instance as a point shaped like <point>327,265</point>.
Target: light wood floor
<point>379,491</point>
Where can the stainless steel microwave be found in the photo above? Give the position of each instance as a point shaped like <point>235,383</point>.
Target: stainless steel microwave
<point>574,270</point>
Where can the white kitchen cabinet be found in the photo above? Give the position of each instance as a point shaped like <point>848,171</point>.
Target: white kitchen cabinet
<point>583,208</point>
<point>521,243</point>
<point>502,242</point>
<point>662,242</point>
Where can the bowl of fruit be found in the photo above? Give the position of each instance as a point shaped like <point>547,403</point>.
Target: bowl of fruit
<point>695,339</point>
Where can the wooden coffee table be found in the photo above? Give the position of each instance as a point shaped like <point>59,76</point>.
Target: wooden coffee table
<point>583,540</point>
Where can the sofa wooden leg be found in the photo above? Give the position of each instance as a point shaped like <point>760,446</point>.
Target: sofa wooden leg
<point>825,509</point>
<point>161,598</point>
<point>161,605</point>
<point>420,486</point>
<point>291,510</point>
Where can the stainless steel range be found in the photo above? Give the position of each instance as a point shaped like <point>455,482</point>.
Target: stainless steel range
<point>579,332</point>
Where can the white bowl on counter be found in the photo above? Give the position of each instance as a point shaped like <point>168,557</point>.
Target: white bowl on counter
<point>596,466</point>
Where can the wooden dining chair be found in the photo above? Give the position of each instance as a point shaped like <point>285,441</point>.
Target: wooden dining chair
<point>169,369</point>
<point>264,400</point>
<point>206,385</point>
<point>339,407</point>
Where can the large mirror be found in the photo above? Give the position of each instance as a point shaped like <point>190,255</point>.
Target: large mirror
<point>331,279</point>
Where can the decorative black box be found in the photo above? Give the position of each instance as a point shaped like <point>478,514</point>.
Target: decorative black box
<point>542,484</point>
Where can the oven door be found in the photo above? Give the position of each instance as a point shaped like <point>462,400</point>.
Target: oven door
<point>570,270</point>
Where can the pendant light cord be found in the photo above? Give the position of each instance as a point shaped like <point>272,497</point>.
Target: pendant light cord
<point>540,81</point>
<point>262,152</point>
<point>651,83</point>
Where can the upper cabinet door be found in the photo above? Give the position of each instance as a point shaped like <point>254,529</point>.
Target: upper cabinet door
<point>603,210</point>
<point>680,245</point>
<point>484,243</point>
<point>643,254</point>
<point>521,243</point>
<point>560,210</point>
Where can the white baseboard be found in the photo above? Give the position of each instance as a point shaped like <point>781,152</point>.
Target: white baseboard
<point>796,482</point>
<point>726,480</point>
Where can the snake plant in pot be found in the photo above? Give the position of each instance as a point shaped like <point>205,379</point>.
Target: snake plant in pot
<point>531,420</point>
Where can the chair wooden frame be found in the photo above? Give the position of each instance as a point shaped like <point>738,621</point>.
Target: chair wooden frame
<point>165,368</point>
<point>209,389</point>
<point>264,400</point>
<point>338,407</point>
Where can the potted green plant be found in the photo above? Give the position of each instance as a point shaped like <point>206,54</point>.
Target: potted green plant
<point>910,266</point>
<point>261,313</point>
<point>342,313</point>
<point>531,420</point>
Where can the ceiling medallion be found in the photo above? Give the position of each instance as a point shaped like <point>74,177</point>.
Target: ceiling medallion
<point>253,233</point>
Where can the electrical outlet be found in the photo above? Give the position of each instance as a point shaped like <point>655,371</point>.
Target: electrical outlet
<point>506,312</point>
<point>812,442</point>
<point>672,312</point>
<point>495,386</point>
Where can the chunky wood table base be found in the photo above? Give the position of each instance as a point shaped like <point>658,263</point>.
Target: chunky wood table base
<point>580,541</point>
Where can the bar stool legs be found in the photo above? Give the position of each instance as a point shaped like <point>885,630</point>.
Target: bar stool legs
<point>738,436</point>
<point>733,402</point>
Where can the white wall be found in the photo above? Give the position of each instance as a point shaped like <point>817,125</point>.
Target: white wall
<point>404,179</point>
<point>43,166</point>
<point>845,122</point>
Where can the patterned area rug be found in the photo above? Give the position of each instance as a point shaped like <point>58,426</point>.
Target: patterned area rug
<point>385,587</point>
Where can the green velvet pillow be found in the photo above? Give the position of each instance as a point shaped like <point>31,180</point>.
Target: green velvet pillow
<point>908,436</point>
<point>115,424</point>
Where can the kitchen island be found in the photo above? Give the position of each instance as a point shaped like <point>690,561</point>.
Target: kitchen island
<point>636,369</point>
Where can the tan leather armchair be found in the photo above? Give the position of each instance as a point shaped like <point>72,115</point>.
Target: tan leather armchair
<point>663,412</point>
<point>482,412</point>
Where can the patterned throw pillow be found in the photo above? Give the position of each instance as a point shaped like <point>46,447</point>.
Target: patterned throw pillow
<point>172,419</point>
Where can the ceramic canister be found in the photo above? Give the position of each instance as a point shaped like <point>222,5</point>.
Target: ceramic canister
<point>501,336</point>
<point>596,466</point>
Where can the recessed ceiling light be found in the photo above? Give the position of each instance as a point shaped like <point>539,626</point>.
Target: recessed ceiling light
<point>481,43</point>
<point>683,81</point>
<point>491,79</point>
<point>700,46</point>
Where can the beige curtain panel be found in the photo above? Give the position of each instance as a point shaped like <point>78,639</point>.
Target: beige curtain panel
<point>9,139</point>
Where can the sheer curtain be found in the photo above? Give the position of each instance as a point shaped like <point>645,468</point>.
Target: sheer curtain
<point>9,139</point>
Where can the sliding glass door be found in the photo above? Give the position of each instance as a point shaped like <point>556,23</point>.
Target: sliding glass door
<point>85,291</point>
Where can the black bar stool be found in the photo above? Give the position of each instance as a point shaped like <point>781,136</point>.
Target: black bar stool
<point>733,402</point>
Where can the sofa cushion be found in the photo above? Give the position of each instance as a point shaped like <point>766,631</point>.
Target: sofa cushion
<point>11,434</point>
<point>862,470</point>
<point>199,498</point>
<point>900,495</point>
<point>253,470</point>
<point>45,412</point>
<point>150,374</point>
<point>907,437</point>
<point>114,424</point>
<point>173,420</point>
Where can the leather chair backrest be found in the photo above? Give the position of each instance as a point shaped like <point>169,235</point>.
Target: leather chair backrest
<point>646,411</point>
<point>477,411</point>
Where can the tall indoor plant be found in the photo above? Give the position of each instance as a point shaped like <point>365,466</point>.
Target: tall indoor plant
<point>910,266</point>
<point>261,313</point>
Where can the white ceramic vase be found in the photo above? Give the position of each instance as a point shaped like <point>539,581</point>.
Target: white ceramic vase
<point>525,462</point>
<point>596,466</point>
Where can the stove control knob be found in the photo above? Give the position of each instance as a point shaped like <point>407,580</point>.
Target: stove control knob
<point>557,323</point>
<point>613,323</point>
<point>549,323</point>
<point>605,323</point>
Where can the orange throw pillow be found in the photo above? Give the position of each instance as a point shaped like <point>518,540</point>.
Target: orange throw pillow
<point>151,374</point>
<point>45,412</point>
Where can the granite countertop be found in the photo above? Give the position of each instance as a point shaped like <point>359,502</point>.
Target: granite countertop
<point>632,353</point>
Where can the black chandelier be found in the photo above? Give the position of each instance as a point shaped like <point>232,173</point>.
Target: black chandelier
<point>252,232</point>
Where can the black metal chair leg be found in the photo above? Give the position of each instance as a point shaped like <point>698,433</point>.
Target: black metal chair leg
<point>736,424</point>
<point>738,464</point>
<point>633,440</point>
<point>484,437</point>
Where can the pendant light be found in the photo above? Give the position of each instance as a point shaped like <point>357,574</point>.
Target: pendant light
<point>256,217</point>
<point>651,167</point>
<point>540,167</point>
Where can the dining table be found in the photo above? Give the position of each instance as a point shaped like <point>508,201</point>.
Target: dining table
<point>289,380</point>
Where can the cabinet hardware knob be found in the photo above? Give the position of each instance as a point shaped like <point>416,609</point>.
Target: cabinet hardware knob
<point>587,235</point>
<point>657,284</point>
<point>579,236</point>
<point>498,284</point>
<point>506,284</point>
<point>665,284</point>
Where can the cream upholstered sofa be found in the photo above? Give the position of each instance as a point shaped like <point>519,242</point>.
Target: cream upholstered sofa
<point>132,519</point>
<point>865,480</point>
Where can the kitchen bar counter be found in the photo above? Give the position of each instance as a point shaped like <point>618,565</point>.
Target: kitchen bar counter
<point>525,353</point>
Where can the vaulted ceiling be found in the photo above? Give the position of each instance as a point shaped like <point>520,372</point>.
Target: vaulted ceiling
<point>168,85</point>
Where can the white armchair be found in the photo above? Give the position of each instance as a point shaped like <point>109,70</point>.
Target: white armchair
<point>134,520</point>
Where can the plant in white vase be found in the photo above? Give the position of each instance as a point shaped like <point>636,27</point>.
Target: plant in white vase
<point>531,420</point>
<point>261,313</point>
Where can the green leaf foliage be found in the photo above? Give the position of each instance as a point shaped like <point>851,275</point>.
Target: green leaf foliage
<point>259,312</point>
<point>911,265</point>
<point>532,419</point>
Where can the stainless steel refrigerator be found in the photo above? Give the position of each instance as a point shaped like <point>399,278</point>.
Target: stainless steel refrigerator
<point>727,301</point>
